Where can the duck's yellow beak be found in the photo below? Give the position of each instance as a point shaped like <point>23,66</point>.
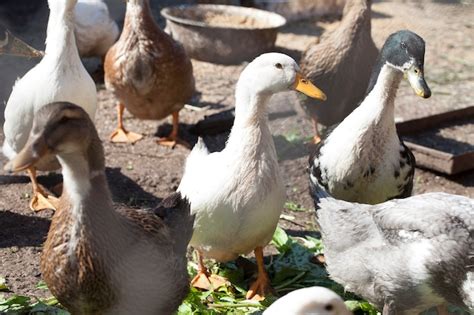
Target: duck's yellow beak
<point>417,81</point>
<point>28,156</point>
<point>306,87</point>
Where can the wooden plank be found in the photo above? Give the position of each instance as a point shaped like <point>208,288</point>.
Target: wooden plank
<point>420,124</point>
<point>431,158</point>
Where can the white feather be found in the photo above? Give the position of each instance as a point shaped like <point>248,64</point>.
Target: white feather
<point>313,300</point>
<point>60,76</point>
<point>95,31</point>
<point>238,194</point>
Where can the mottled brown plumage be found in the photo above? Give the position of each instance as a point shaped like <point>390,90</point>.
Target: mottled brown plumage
<point>97,260</point>
<point>148,72</point>
<point>341,65</point>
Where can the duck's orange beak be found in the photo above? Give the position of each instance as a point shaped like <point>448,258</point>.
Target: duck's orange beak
<point>306,87</point>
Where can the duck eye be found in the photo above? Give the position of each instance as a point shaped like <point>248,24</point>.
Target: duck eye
<point>404,46</point>
<point>329,307</point>
<point>279,66</point>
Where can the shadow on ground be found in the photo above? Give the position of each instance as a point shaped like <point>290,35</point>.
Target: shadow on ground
<point>22,230</point>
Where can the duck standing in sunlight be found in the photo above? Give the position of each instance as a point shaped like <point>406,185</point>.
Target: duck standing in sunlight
<point>404,255</point>
<point>313,300</point>
<point>148,72</point>
<point>95,31</point>
<point>97,260</point>
<point>341,65</point>
<point>60,76</point>
<point>238,194</point>
<point>363,159</point>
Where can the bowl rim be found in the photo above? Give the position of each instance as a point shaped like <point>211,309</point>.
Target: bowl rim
<point>166,13</point>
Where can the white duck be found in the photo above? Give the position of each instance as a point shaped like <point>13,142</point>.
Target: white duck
<point>237,194</point>
<point>95,31</point>
<point>60,76</point>
<point>313,300</point>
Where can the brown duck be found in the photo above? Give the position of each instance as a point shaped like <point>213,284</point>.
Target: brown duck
<point>148,72</point>
<point>341,64</point>
<point>97,260</point>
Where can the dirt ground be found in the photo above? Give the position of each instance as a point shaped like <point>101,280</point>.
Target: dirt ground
<point>141,175</point>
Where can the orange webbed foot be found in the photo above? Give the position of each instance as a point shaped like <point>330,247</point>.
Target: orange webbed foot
<point>260,288</point>
<point>121,135</point>
<point>43,201</point>
<point>172,142</point>
<point>205,281</point>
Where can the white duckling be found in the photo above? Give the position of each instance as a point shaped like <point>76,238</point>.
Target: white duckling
<point>313,300</point>
<point>60,76</point>
<point>238,194</point>
<point>95,30</point>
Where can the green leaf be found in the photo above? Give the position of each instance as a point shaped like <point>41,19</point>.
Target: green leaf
<point>42,285</point>
<point>16,300</point>
<point>281,240</point>
<point>294,207</point>
<point>293,137</point>
<point>364,306</point>
<point>3,284</point>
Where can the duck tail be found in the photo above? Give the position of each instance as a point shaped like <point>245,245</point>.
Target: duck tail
<point>175,211</point>
<point>320,195</point>
<point>198,153</point>
<point>201,147</point>
<point>8,151</point>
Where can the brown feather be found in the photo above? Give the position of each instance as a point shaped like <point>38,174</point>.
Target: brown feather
<point>146,69</point>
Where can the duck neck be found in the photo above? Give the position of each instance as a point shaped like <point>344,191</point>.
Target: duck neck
<point>60,39</point>
<point>138,17</point>
<point>356,19</point>
<point>380,100</point>
<point>84,183</point>
<point>250,128</point>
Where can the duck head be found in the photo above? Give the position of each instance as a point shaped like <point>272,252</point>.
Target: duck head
<point>274,72</point>
<point>405,51</point>
<point>59,128</point>
<point>312,300</point>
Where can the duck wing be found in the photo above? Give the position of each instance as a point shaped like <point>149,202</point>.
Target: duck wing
<point>406,157</point>
<point>175,212</point>
<point>170,223</point>
<point>317,174</point>
<point>432,216</point>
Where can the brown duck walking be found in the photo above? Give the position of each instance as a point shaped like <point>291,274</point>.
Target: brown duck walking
<point>341,64</point>
<point>148,72</point>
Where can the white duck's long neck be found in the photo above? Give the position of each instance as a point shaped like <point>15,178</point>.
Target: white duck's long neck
<point>60,39</point>
<point>379,105</point>
<point>250,133</point>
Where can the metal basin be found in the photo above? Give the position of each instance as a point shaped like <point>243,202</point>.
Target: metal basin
<point>222,33</point>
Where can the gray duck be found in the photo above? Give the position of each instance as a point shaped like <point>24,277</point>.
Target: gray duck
<point>404,255</point>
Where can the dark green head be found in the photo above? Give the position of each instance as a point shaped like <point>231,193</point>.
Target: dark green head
<point>405,51</point>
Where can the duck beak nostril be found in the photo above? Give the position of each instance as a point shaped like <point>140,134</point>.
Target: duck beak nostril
<point>306,87</point>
